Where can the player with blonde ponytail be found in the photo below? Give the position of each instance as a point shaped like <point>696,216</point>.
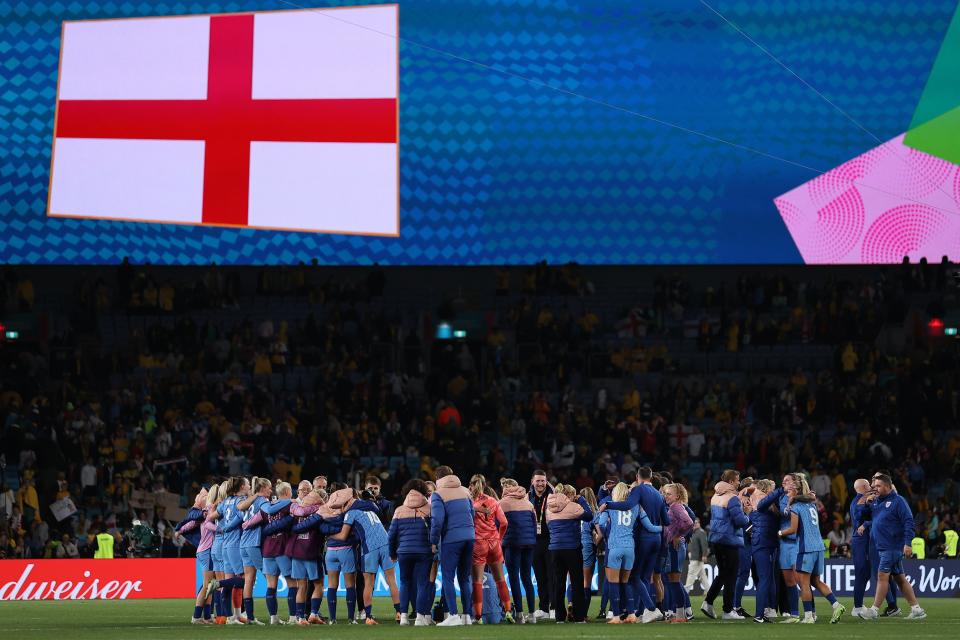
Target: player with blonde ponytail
<point>203,502</point>
<point>259,495</point>
<point>805,525</point>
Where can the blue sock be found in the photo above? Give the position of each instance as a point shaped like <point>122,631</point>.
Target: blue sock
<point>291,599</point>
<point>351,602</point>
<point>369,609</point>
<point>226,601</point>
<point>643,597</point>
<point>832,599</point>
<point>332,602</point>
<point>587,596</point>
<point>301,609</point>
<point>248,607</point>
<point>793,599</point>
<point>628,601</point>
<point>808,605</point>
<point>667,603</point>
<point>686,596</point>
<point>678,605</point>
<point>217,605</point>
<point>605,596</point>
<point>197,612</point>
<point>271,601</point>
<point>615,599</point>
<point>314,606</point>
<point>206,612</point>
<point>396,607</point>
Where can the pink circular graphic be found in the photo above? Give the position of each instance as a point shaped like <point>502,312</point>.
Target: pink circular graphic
<point>906,230</point>
<point>790,213</point>
<point>923,174</point>
<point>827,187</point>
<point>838,227</point>
<point>956,186</point>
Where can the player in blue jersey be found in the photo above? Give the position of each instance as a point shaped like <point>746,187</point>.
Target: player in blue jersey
<point>647,547</point>
<point>229,527</point>
<point>805,525</point>
<point>375,550</point>
<point>250,540</point>
<point>618,529</point>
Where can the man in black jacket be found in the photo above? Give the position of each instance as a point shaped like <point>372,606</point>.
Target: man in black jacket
<point>542,566</point>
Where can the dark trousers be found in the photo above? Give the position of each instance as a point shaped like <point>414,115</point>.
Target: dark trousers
<point>543,570</point>
<point>569,562</point>
<point>728,564</point>
<point>519,562</point>
<point>456,559</point>
<point>415,585</point>
<point>764,561</point>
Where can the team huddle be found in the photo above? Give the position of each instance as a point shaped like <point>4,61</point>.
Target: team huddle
<point>637,534</point>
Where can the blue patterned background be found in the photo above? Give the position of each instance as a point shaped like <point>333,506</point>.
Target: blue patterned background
<point>496,169</point>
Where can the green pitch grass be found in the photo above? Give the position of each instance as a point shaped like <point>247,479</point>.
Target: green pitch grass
<point>169,619</point>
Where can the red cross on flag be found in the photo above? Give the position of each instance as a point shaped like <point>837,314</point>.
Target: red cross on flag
<point>278,120</point>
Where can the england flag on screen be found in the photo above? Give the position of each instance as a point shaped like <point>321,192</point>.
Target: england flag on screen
<point>277,120</point>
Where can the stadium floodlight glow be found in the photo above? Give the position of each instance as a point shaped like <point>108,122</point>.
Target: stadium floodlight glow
<point>950,331</point>
<point>459,333</point>
<point>11,335</point>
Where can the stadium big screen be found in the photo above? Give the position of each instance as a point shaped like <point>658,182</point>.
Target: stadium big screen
<point>464,132</point>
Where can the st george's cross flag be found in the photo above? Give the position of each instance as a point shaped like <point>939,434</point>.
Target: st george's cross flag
<point>277,120</point>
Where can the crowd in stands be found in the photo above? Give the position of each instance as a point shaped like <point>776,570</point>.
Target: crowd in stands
<point>152,384</point>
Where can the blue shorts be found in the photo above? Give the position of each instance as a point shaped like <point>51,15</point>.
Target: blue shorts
<point>377,559</point>
<point>891,562</point>
<point>232,560</point>
<point>589,560</point>
<point>205,561</point>
<point>304,569</point>
<point>810,562</point>
<point>620,558</point>
<point>216,557</point>
<point>279,566</point>
<point>251,557</point>
<point>788,555</point>
<point>661,560</point>
<point>341,560</point>
<point>673,563</point>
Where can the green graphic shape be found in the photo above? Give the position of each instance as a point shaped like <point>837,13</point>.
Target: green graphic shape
<point>935,128</point>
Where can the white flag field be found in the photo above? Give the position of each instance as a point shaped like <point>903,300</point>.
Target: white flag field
<point>282,120</point>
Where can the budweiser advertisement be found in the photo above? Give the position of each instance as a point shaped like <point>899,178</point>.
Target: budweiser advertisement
<point>278,120</point>
<point>96,579</point>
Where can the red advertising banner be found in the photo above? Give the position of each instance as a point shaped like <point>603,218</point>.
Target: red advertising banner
<point>96,579</point>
